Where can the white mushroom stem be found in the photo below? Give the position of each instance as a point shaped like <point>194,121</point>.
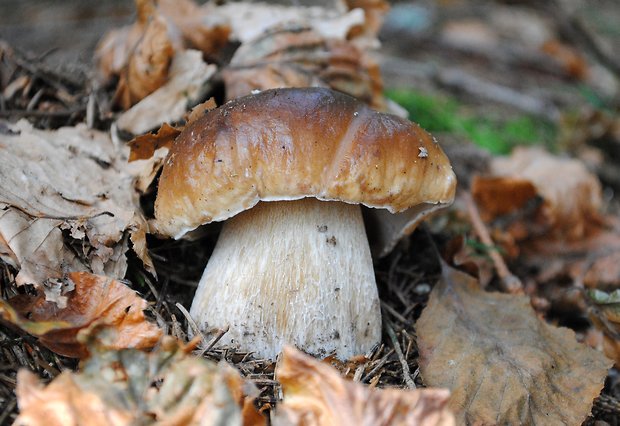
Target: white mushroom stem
<point>297,272</point>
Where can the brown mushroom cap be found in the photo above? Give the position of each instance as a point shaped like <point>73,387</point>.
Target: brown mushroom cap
<point>287,144</point>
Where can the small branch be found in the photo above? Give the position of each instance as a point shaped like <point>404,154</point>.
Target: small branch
<point>214,340</point>
<point>399,353</point>
<point>510,282</point>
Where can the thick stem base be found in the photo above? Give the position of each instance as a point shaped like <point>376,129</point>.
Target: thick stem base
<point>297,272</point>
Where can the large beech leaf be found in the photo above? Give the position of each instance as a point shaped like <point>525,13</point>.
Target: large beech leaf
<point>315,394</point>
<point>131,387</point>
<point>66,202</point>
<point>502,363</point>
<point>93,302</point>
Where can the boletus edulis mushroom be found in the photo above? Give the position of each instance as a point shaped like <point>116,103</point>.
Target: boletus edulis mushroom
<point>287,170</point>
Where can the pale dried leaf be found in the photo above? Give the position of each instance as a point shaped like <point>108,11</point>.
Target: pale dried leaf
<point>315,394</point>
<point>128,387</point>
<point>502,363</point>
<point>72,179</point>
<point>138,235</point>
<point>188,73</point>
<point>249,20</point>
<point>92,302</point>
<point>296,57</point>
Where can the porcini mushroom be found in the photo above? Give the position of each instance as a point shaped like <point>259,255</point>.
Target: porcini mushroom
<point>286,169</point>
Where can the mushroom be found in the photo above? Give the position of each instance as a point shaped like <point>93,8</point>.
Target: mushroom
<point>287,169</point>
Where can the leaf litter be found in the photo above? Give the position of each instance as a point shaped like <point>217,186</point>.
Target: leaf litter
<point>383,366</point>
<point>72,211</point>
<point>165,387</point>
<point>93,302</point>
<point>501,362</point>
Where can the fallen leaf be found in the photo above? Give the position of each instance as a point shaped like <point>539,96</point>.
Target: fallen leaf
<point>92,302</point>
<point>188,73</point>
<point>571,195</point>
<point>250,20</point>
<point>569,58</point>
<point>128,387</point>
<point>144,146</point>
<point>148,65</point>
<point>502,363</point>
<point>605,315</point>
<point>294,56</point>
<point>315,394</point>
<point>365,36</point>
<point>66,202</point>
<point>115,48</point>
<point>200,28</point>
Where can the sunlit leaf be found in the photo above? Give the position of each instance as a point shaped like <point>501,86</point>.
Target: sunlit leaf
<point>92,302</point>
<point>316,394</point>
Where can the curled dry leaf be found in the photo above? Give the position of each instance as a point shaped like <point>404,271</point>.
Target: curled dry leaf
<point>128,387</point>
<point>66,202</point>
<point>187,25</point>
<point>188,74</point>
<point>295,56</point>
<point>571,196</point>
<point>315,394</point>
<point>114,49</point>
<point>502,363</point>
<point>147,68</point>
<point>92,302</point>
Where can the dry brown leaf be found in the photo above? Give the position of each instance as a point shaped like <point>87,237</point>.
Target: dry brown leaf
<point>502,363</point>
<point>91,302</point>
<point>296,57</point>
<point>571,196</point>
<point>128,387</point>
<point>315,394</point>
<point>147,69</point>
<point>188,73</point>
<point>144,146</point>
<point>71,181</point>
<point>200,28</point>
<point>365,35</point>
<point>115,48</point>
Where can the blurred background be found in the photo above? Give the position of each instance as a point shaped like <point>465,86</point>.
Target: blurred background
<point>499,73</point>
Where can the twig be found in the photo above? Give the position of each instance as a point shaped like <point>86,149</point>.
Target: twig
<point>214,340</point>
<point>395,313</point>
<point>8,409</point>
<point>190,321</point>
<point>399,353</point>
<point>510,282</point>
<point>38,114</point>
<point>380,364</point>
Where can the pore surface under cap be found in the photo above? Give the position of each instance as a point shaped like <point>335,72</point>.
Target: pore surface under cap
<point>287,144</point>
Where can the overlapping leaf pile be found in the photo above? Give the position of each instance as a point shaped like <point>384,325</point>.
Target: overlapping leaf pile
<point>171,387</point>
<point>78,206</point>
